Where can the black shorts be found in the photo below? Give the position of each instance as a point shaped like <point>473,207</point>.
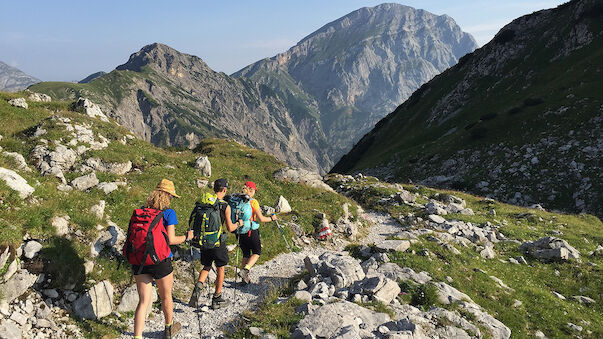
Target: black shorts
<point>250,243</point>
<point>157,271</point>
<point>218,255</point>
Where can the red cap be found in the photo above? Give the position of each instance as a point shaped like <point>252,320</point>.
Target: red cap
<point>251,184</point>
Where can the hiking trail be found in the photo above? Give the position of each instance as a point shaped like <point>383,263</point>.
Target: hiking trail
<point>273,273</point>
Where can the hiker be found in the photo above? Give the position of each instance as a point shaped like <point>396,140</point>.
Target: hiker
<point>249,240</point>
<point>213,251</point>
<point>158,218</point>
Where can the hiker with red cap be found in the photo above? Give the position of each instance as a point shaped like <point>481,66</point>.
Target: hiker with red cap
<point>249,241</point>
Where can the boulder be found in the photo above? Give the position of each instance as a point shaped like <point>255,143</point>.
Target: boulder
<point>4,257</point>
<point>267,210</point>
<point>129,300</point>
<point>9,330</point>
<point>377,286</point>
<point>393,246</point>
<point>303,295</point>
<point>405,196</point>
<point>17,285</point>
<point>18,102</point>
<point>112,237</point>
<point>39,97</point>
<point>99,209</point>
<point>90,109</point>
<point>329,320</point>
<point>436,218</point>
<point>497,329</point>
<point>61,225</point>
<point>550,248</point>
<point>62,158</point>
<point>282,205</point>
<point>19,159</point>
<point>85,182</point>
<point>301,176</point>
<point>107,187</point>
<point>448,294</point>
<point>96,303</point>
<point>434,207</point>
<point>488,252</point>
<point>342,269</point>
<point>98,165</point>
<point>395,273</point>
<point>31,249</point>
<point>13,267</point>
<point>583,299</point>
<point>16,182</point>
<point>204,166</point>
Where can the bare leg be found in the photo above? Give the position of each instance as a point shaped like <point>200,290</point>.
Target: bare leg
<point>252,260</point>
<point>204,273</point>
<point>164,286</point>
<point>144,286</point>
<point>219,279</point>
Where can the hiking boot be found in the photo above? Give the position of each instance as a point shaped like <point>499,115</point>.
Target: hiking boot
<point>195,300</point>
<point>244,274</point>
<point>170,331</point>
<point>218,302</point>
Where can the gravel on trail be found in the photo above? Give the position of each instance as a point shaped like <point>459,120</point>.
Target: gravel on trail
<point>272,274</point>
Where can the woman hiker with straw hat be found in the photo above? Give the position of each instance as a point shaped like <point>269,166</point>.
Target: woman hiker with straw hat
<point>158,201</point>
<point>250,241</point>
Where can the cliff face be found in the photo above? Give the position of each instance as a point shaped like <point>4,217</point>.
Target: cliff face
<point>13,79</point>
<point>353,71</point>
<point>519,118</point>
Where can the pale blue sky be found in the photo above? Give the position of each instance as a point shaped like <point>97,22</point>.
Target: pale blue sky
<point>68,40</point>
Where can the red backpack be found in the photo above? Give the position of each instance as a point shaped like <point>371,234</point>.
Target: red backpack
<point>147,242</point>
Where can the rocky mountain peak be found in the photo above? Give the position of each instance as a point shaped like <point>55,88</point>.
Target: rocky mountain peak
<point>13,79</point>
<point>164,59</point>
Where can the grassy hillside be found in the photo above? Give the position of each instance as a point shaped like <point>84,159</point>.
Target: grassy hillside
<point>62,259</point>
<point>485,119</point>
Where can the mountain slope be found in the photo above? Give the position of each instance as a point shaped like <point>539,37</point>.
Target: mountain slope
<point>92,77</point>
<point>519,118</point>
<point>171,98</point>
<point>13,79</point>
<point>353,71</point>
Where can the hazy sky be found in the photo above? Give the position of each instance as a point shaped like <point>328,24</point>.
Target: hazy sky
<point>68,40</point>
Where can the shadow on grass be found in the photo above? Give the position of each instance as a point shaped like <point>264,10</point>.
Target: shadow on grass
<point>63,265</point>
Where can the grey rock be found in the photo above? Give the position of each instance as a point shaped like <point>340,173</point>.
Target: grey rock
<point>204,166</point>
<point>301,285</point>
<point>328,320</point>
<point>51,293</point>
<point>107,187</point>
<point>85,182</point>
<point>18,318</point>
<point>392,246</point>
<point>39,97</point>
<point>488,252</point>
<point>16,182</point>
<point>19,160</point>
<point>4,257</point>
<point>13,80</point>
<point>267,210</point>
<point>448,294</point>
<point>575,327</point>
<point>31,249</point>
<point>129,300</point>
<point>12,268</point>
<point>550,248</point>
<point>61,225</point>
<point>90,109</point>
<point>9,330</point>
<point>343,270</point>
<point>539,334</point>
<point>112,237</point>
<point>307,308</point>
<point>256,331</point>
<point>583,299</point>
<point>18,284</point>
<point>436,218</point>
<point>302,176</point>
<point>98,165</point>
<point>433,207</point>
<point>282,205</point>
<point>96,303</point>
<point>303,295</point>
<point>405,196</point>
<point>99,209</point>
<point>18,102</point>
<point>302,333</point>
<point>558,295</point>
<point>202,183</point>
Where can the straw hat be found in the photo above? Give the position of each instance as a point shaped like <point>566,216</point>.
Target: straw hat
<point>167,186</point>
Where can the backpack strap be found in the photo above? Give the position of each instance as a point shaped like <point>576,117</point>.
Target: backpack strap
<point>150,240</point>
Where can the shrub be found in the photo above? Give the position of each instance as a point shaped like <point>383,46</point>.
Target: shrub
<point>425,295</point>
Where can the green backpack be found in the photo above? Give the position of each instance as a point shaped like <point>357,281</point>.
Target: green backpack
<point>206,222</point>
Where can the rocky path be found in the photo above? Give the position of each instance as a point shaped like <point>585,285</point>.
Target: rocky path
<point>271,274</point>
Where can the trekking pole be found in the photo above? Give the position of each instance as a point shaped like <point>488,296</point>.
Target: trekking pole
<point>234,293</point>
<point>283,234</point>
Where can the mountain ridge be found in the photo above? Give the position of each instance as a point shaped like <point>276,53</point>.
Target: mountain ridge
<point>13,79</point>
